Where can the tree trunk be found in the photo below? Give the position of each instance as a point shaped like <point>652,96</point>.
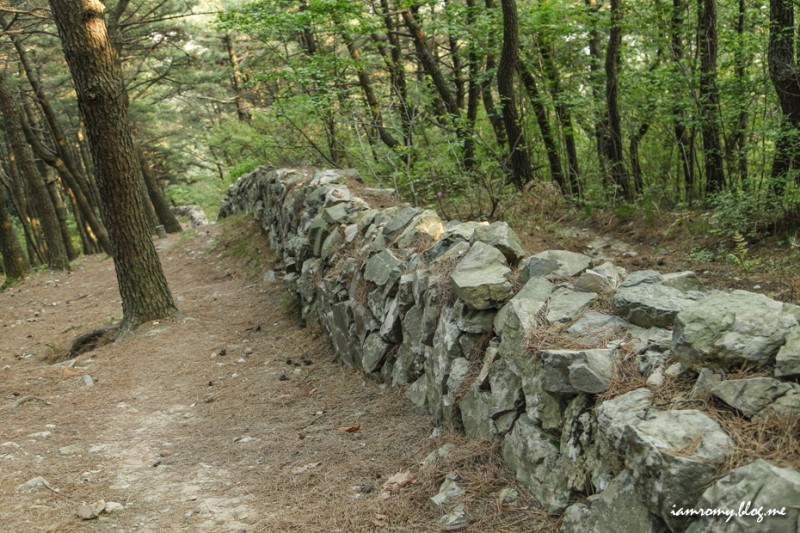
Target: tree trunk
<point>518,147</point>
<point>596,83</point>
<point>495,118</point>
<point>783,71</point>
<point>473,93</point>
<point>103,103</point>
<point>57,258</point>
<point>242,105</point>
<point>164,214</point>
<point>550,145</point>
<point>709,95</point>
<point>619,175</point>
<point>563,113</point>
<point>15,265</point>
<point>685,143</point>
<point>397,72</point>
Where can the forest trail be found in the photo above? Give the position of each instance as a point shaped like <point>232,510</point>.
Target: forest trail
<point>269,435</point>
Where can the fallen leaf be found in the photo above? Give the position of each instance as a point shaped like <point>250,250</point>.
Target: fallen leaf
<point>70,373</point>
<point>304,468</point>
<point>349,429</point>
<point>395,483</point>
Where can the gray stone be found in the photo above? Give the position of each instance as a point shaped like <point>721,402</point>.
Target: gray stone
<point>787,362</point>
<point>533,456</point>
<point>473,321</point>
<point>596,327</point>
<point>683,281</point>
<point>482,411</point>
<point>501,236</point>
<point>375,349</point>
<point>417,393</point>
<point>519,317</point>
<point>336,214</point>
<point>753,489</point>
<point>644,301</point>
<point>726,330</point>
<point>350,233</point>
<point>482,278</point>
<point>603,278</point>
<point>556,263</point>
<point>455,230</point>
<point>566,305</point>
<point>451,253</point>
<point>449,493</point>
<point>455,520</point>
<point>459,369</point>
<point>383,268</point>
<point>90,511</point>
<point>399,221</point>
<point>331,243</point>
<point>617,509</point>
<point>706,380</point>
<point>750,395</point>
<point>673,456</point>
<point>787,406</point>
<point>391,327</point>
<point>424,228</point>
<point>576,371</point>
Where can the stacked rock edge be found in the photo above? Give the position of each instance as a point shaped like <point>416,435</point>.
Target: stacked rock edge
<point>432,306</point>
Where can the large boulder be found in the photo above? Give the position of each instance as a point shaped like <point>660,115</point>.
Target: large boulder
<point>726,330</point>
<point>644,300</point>
<point>425,228</point>
<point>787,362</point>
<point>756,497</point>
<point>482,277</point>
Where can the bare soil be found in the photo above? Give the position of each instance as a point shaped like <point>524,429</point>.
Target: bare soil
<point>229,417</point>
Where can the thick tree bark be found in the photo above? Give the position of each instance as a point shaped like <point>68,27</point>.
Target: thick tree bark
<point>57,258</point>
<point>15,265</point>
<point>518,148</point>
<point>103,103</point>
<point>709,95</point>
<point>614,148</point>
<point>783,70</point>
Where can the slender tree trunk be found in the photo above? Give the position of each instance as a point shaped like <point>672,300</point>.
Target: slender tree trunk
<point>739,134</point>
<point>103,103</point>
<point>518,147</point>
<point>619,174</point>
<point>397,72</point>
<point>473,93</point>
<point>57,258</point>
<point>15,265</point>
<point>684,142</point>
<point>709,95</point>
<point>18,196</point>
<point>495,118</point>
<point>550,145</point>
<point>242,105</point>
<point>563,114</point>
<point>369,94</point>
<point>164,214</point>
<point>596,73</point>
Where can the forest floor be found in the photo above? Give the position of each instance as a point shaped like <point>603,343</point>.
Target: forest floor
<point>267,435</point>
<point>233,417</point>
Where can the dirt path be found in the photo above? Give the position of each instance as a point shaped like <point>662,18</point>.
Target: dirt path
<point>228,418</point>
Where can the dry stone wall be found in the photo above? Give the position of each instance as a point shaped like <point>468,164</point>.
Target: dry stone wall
<point>520,349</point>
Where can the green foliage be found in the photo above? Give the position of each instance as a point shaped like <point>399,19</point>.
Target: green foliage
<point>737,213</point>
<point>739,255</point>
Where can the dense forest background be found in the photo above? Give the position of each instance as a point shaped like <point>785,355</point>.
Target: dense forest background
<point>632,107</point>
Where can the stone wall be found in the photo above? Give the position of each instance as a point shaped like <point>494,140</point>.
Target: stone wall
<point>533,352</point>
